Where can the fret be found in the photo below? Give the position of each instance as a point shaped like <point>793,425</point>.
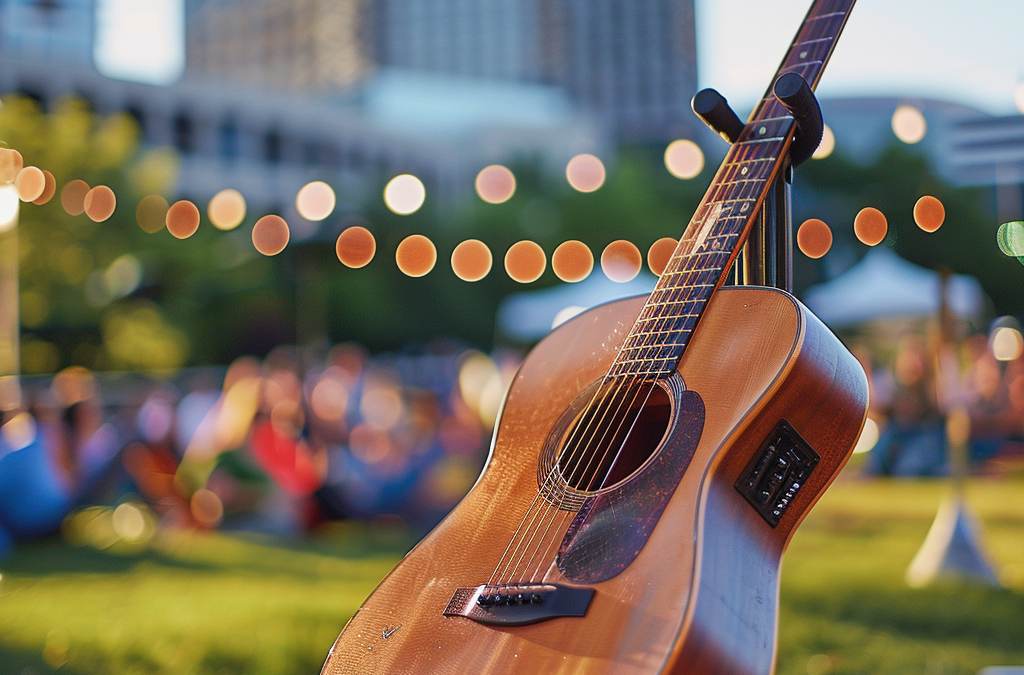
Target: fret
<point>711,239</point>
<point>802,69</point>
<point>812,19</point>
<point>651,333</point>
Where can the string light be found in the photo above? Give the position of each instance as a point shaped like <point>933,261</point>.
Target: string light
<point>525,261</point>
<point>572,261</point>
<point>870,226</point>
<point>585,173</point>
<point>621,261</point>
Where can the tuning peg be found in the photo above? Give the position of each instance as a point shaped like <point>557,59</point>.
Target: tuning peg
<point>712,108</point>
<point>796,95</point>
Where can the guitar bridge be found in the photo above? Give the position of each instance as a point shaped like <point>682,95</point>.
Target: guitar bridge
<point>518,604</point>
<point>777,472</point>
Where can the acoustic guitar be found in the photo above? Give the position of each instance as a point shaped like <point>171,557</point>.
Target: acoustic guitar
<point>651,461</point>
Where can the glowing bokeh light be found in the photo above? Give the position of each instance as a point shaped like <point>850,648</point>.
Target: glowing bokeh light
<point>1006,343</point>
<point>129,522</point>
<point>227,209</point>
<point>72,197</point>
<point>585,173</point>
<point>30,182</point>
<point>11,162</point>
<point>151,213</point>
<point>329,399</point>
<point>355,247</point>
<point>416,255</point>
<point>870,226</point>
<point>868,437</point>
<point>929,213</point>
<point>684,159</point>
<point>315,201</point>
<point>1010,238</point>
<point>621,261</point>
<point>525,261</point>
<point>572,261</point>
<point>814,238</point>
<point>206,507</point>
<point>472,260</point>
<point>495,184</point>
<point>182,219</point>
<point>9,205</point>
<point>381,406</point>
<point>270,235</point>
<point>827,144</point>
<point>99,203</point>
<point>909,124</point>
<point>404,194</point>
<point>660,253</point>
<point>49,190</point>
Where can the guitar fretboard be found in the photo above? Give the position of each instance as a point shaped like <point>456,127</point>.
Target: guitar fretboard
<point>725,215</point>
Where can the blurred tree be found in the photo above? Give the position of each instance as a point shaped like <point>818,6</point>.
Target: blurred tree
<point>835,189</point>
<point>83,283</point>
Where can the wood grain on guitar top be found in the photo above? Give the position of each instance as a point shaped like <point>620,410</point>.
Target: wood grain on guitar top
<point>701,595</point>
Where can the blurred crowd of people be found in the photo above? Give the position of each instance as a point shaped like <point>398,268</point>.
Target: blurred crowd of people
<point>282,444</point>
<point>923,380</point>
<point>277,445</point>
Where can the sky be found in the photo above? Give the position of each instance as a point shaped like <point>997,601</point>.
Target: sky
<point>967,51</point>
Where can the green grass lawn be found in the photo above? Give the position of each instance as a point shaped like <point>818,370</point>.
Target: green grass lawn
<point>225,604</point>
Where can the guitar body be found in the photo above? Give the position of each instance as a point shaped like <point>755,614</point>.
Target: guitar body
<point>700,595</point>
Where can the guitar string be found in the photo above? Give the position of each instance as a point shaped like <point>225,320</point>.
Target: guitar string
<point>544,549</point>
<point>685,287</point>
<point>544,486</point>
<point>668,318</point>
<point>566,489</point>
<point>654,359</point>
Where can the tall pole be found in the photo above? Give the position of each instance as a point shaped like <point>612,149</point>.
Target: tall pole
<point>10,330</point>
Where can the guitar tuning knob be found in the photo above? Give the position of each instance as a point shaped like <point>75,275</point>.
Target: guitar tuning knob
<point>712,108</point>
<point>796,95</point>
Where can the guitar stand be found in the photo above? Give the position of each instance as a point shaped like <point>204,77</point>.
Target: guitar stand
<point>767,256</point>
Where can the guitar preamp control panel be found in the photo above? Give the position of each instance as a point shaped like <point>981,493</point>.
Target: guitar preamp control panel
<point>778,470</point>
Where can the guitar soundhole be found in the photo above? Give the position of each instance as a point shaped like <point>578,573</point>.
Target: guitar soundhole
<point>615,435</point>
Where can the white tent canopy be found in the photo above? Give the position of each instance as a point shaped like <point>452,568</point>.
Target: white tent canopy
<point>883,284</point>
<point>529,316</point>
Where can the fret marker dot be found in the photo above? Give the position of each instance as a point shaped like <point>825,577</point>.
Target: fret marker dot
<point>762,130</point>
<point>814,238</point>
<point>803,55</point>
<point>743,171</point>
<point>745,208</point>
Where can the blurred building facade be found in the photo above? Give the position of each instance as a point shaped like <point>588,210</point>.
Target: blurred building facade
<point>299,45</point>
<point>634,65</point>
<point>280,92</point>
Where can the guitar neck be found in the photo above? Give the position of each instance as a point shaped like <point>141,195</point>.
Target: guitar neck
<point>720,225</point>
